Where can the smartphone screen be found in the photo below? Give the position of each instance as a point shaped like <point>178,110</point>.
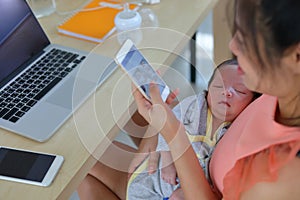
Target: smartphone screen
<point>24,165</point>
<point>142,73</point>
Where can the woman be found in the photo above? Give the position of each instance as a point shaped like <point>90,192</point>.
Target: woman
<point>262,146</point>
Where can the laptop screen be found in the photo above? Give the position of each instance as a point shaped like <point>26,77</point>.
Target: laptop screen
<point>21,37</point>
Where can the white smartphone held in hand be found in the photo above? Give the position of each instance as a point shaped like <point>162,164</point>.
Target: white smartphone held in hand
<point>28,167</point>
<point>131,60</point>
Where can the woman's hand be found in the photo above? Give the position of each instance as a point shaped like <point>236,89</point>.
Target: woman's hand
<point>157,113</point>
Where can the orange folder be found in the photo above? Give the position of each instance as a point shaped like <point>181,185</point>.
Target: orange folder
<point>93,22</point>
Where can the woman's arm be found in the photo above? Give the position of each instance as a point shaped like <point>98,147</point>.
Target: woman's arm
<point>161,117</point>
<point>190,173</point>
<point>136,128</point>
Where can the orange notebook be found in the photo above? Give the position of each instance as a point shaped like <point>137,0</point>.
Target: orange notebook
<point>91,22</point>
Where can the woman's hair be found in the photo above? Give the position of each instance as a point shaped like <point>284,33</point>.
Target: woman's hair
<point>276,22</point>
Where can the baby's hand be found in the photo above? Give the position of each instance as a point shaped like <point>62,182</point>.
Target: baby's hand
<point>168,174</point>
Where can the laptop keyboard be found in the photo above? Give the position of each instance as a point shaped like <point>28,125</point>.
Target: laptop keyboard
<point>31,86</point>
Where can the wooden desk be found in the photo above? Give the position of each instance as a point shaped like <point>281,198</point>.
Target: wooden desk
<point>86,135</point>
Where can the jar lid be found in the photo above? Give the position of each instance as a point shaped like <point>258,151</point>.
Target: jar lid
<point>127,19</point>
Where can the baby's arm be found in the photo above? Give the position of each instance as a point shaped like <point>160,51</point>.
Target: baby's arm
<point>168,171</point>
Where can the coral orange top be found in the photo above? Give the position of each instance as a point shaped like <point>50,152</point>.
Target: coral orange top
<point>254,148</point>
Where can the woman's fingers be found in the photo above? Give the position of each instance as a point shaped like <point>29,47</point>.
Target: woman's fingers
<point>172,96</point>
<point>142,103</point>
<point>155,94</point>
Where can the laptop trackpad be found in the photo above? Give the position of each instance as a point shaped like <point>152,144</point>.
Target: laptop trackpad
<point>70,96</point>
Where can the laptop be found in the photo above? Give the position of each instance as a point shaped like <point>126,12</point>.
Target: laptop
<point>37,78</point>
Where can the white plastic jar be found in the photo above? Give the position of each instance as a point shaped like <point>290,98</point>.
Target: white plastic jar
<point>127,23</point>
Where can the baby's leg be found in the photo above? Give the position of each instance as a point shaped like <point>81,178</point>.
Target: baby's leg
<point>168,171</point>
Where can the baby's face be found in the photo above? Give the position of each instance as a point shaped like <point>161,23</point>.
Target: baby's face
<point>227,95</point>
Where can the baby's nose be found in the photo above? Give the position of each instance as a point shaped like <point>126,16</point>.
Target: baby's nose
<point>227,92</point>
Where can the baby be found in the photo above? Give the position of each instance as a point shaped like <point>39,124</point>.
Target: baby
<point>206,118</point>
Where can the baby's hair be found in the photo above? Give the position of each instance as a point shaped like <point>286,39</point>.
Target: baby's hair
<point>224,63</point>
